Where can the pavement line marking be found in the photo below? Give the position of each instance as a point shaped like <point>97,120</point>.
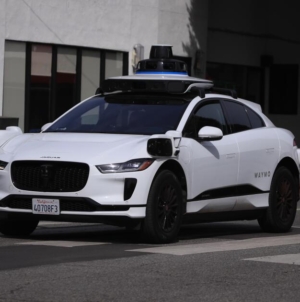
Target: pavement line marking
<point>62,243</point>
<point>284,259</point>
<point>232,245</point>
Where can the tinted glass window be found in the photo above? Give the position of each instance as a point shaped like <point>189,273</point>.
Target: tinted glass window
<point>207,115</point>
<point>238,118</point>
<point>255,120</point>
<point>123,114</point>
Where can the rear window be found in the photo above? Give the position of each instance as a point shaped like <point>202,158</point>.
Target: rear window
<point>255,120</point>
<point>238,118</point>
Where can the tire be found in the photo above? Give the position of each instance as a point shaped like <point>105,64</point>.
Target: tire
<point>280,215</point>
<point>164,209</point>
<point>17,228</point>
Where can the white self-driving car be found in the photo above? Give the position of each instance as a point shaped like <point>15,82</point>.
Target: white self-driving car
<point>151,150</point>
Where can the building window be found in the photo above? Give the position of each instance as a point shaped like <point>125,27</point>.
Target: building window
<point>42,81</point>
<point>90,75</point>
<point>246,80</point>
<point>65,80</point>
<point>14,81</point>
<point>283,89</point>
<point>113,64</point>
<point>39,86</point>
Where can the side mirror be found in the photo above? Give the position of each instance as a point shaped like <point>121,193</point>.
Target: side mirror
<point>208,133</point>
<point>46,126</point>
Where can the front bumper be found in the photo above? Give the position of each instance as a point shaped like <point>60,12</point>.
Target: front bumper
<point>103,195</point>
<point>71,206</point>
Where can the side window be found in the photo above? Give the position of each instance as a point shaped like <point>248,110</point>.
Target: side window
<point>238,118</point>
<point>207,115</point>
<point>255,120</point>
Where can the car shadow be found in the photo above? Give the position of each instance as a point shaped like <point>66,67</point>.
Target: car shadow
<point>118,235</point>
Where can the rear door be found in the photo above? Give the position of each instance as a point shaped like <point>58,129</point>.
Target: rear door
<point>258,149</point>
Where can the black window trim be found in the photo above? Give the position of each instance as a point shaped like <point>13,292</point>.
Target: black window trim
<point>200,104</point>
<point>227,115</point>
<point>261,119</point>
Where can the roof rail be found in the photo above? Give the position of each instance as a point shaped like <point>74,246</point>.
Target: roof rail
<point>200,91</point>
<point>199,88</point>
<point>99,90</point>
<point>225,91</point>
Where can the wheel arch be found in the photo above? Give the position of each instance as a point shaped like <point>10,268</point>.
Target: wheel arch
<point>176,168</point>
<point>290,164</point>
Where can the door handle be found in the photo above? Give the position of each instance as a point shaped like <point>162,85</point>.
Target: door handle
<point>270,150</point>
<point>231,155</point>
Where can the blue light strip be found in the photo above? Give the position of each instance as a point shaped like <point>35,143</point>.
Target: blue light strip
<point>162,72</point>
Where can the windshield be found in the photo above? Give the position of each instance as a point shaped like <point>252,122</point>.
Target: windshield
<point>123,114</point>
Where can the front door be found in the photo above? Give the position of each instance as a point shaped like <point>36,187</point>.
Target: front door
<point>213,164</point>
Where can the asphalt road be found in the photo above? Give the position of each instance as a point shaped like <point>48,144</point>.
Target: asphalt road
<point>233,261</point>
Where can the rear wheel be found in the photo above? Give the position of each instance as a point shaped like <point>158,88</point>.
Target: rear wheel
<point>164,209</point>
<point>280,215</point>
<point>17,228</point>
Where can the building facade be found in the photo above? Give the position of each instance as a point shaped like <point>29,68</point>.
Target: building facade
<point>255,45</point>
<point>55,53</point>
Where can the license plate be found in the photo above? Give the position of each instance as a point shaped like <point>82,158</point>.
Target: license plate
<point>45,206</point>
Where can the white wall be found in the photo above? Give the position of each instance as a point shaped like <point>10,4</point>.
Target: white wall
<point>113,24</point>
<point>183,24</point>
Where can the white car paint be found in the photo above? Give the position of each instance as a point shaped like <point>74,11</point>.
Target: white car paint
<point>9,133</point>
<point>231,161</point>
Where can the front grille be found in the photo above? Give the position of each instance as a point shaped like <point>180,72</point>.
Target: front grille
<point>18,204</point>
<point>49,176</point>
<point>76,206</point>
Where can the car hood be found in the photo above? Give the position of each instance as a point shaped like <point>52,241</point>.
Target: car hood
<point>83,147</point>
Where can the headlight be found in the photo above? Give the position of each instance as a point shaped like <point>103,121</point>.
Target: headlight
<point>3,164</point>
<point>129,166</point>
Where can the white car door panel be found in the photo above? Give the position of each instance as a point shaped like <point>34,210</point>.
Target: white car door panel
<point>214,168</point>
<point>259,155</point>
<point>213,164</point>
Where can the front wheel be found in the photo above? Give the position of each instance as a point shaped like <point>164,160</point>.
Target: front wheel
<point>280,215</point>
<point>164,209</point>
<point>17,228</point>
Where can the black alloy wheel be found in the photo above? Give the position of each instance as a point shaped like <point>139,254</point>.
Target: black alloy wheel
<point>167,207</point>
<point>164,209</point>
<point>283,197</point>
